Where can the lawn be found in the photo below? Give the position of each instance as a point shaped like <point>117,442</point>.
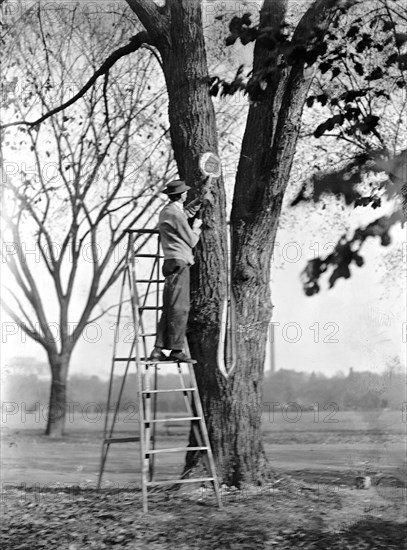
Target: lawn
<point>49,497</point>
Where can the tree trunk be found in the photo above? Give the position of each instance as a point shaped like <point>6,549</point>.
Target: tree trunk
<point>57,401</point>
<point>232,407</point>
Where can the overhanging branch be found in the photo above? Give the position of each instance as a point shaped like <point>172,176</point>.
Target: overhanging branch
<point>135,43</point>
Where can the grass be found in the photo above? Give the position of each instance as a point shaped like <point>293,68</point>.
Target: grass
<point>50,501</point>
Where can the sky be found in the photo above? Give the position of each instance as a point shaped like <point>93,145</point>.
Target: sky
<point>358,323</point>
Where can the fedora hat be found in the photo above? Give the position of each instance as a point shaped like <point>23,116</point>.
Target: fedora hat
<point>175,187</point>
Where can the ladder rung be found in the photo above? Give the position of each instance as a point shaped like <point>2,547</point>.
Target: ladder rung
<point>147,361</point>
<point>142,308</point>
<point>121,439</point>
<point>175,419</point>
<point>174,481</point>
<point>172,361</point>
<point>167,391</point>
<point>150,281</point>
<point>148,256</point>
<point>151,231</point>
<point>175,450</point>
<point>147,334</point>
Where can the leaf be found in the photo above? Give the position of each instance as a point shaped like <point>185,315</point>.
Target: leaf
<point>246,19</point>
<point>310,101</point>
<point>352,113</point>
<point>353,31</point>
<point>388,25</point>
<point>359,68</point>
<point>340,271</point>
<point>376,73</point>
<point>322,98</point>
<point>402,61</point>
<point>324,67</point>
<point>335,72</point>
<point>320,130</point>
<point>392,59</point>
<point>214,90</point>
<point>401,38</point>
<point>351,95</point>
<point>365,42</point>
<point>382,93</point>
<point>235,25</point>
<point>230,40</point>
<point>368,124</point>
<point>358,259</point>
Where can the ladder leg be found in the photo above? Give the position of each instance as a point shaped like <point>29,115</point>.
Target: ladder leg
<point>190,407</point>
<point>153,429</point>
<point>105,450</point>
<point>105,446</point>
<point>136,320</point>
<point>145,434</point>
<point>205,437</point>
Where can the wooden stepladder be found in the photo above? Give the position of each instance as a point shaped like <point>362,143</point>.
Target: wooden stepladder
<point>142,307</point>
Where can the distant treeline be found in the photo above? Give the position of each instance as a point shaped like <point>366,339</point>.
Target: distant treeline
<point>356,391</point>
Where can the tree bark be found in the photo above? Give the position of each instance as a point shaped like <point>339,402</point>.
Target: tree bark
<point>57,400</point>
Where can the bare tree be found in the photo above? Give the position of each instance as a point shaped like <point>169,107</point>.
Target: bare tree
<point>86,178</point>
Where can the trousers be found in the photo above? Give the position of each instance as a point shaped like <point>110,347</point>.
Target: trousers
<point>176,305</point>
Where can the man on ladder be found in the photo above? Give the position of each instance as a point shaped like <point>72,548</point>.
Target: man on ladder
<point>177,239</point>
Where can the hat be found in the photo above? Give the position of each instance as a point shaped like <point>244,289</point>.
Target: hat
<point>175,187</point>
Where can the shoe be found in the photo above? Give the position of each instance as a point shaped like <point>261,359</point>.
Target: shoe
<point>157,356</point>
<point>181,357</point>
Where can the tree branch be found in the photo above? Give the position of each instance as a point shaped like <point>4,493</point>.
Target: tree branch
<point>31,333</point>
<point>135,43</point>
<point>154,18</point>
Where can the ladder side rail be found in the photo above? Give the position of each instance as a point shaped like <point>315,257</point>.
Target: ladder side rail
<point>139,322</point>
<point>196,426</point>
<point>147,465</point>
<point>136,317</point>
<point>106,446</point>
<point>154,424</point>
<point>157,277</point>
<point>197,429</point>
<point>120,395</point>
<point>126,370</point>
<point>119,398</point>
<point>205,436</point>
<point>189,406</point>
<point>116,338</point>
<point>145,431</point>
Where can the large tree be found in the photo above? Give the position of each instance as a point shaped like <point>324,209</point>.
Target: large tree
<point>73,185</point>
<point>278,86</point>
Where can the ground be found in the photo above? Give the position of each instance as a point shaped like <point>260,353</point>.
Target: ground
<point>313,500</point>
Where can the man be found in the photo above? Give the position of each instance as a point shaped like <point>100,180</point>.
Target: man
<point>177,240</point>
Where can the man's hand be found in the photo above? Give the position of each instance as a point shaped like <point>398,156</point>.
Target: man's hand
<point>192,208</point>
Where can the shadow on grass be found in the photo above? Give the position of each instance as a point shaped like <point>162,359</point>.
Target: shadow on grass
<point>367,533</point>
